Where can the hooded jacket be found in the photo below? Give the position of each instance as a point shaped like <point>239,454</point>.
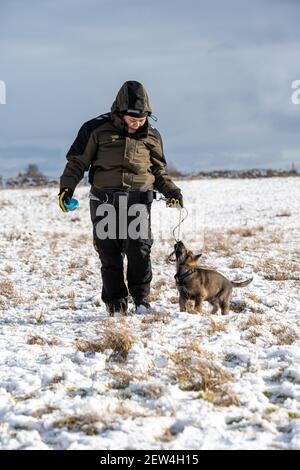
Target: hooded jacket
<point>115,158</point>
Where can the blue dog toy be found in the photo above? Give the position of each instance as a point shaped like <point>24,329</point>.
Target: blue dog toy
<point>72,205</point>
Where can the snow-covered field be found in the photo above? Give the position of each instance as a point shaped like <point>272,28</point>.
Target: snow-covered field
<point>72,378</point>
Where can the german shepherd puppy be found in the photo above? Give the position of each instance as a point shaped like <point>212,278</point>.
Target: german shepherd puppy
<point>201,284</point>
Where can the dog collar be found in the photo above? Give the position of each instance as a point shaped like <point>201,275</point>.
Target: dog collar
<point>179,278</point>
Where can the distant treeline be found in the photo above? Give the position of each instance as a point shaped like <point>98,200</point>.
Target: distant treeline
<point>32,176</point>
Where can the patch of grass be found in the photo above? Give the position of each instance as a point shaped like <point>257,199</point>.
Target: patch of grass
<point>26,397</point>
<point>252,335</point>
<point>156,317</point>
<point>285,335</point>
<point>58,378</point>
<point>121,379</point>
<point>242,232</point>
<point>252,320</point>
<point>77,392</point>
<point>74,265</point>
<point>224,397</point>
<point>43,411</point>
<point>36,340</point>
<point>276,398</point>
<point>147,391</point>
<point>167,436</point>
<point>256,310</point>
<point>85,423</point>
<point>7,289</point>
<point>254,298</point>
<point>8,268</point>
<point>155,295</point>
<point>282,277</point>
<point>195,371</point>
<point>40,318</point>
<point>237,263</point>
<point>215,327</point>
<point>238,307</point>
<point>42,341</point>
<point>119,340</point>
<point>8,295</point>
<point>285,213</point>
<point>270,410</point>
<point>218,242</point>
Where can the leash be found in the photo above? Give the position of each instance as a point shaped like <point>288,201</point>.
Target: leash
<point>181,220</point>
<point>174,203</point>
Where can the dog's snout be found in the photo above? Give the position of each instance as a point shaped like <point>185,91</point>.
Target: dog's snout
<point>178,246</point>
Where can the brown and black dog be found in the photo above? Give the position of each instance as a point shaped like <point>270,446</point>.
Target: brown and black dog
<point>200,284</point>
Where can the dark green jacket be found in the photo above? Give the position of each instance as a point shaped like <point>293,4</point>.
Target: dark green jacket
<point>115,158</point>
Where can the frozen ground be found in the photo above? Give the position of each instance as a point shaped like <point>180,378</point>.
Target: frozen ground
<point>70,378</point>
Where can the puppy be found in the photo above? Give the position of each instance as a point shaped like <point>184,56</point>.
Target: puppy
<point>201,284</point>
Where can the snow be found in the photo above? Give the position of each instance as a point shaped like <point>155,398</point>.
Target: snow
<point>56,395</point>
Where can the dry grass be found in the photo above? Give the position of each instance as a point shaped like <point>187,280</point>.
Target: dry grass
<point>238,307</point>
<point>155,295</point>
<point>220,398</point>
<point>85,275</point>
<point>252,320</point>
<point>242,232</point>
<point>8,295</point>
<point>246,231</point>
<point>156,317</point>
<point>84,423</point>
<point>285,213</point>
<point>121,378</point>
<point>43,411</point>
<point>5,203</point>
<point>254,298</point>
<point>276,269</point>
<point>159,284</point>
<point>74,265</point>
<point>8,268</point>
<point>253,335</point>
<point>70,305</point>
<point>282,277</point>
<point>284,334</point>
<point>40,318</point>
<point>195,370</point>
<point>237,263</point>
<point>167,436</point>
<point>119,340</point>
<point>215,327</point>
<point>7,289</point>
<point>58,378</point>
<point>38,340</point>
<point>218,242</point>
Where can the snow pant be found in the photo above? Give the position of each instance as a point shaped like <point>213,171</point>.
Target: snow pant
<point>112,253</point>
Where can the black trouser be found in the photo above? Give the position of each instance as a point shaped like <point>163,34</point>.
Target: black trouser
<point>112,252</point>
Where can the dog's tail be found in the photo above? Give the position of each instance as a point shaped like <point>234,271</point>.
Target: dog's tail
<point>241,284</point>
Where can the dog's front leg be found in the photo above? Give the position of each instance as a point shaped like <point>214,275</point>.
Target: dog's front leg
<point>198,303</point>
<point>182,303</point>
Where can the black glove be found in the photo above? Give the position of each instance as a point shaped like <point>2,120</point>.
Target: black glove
<point>65,195</point>
<point>174,194</point>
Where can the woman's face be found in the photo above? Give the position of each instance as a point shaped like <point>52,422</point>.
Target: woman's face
<point>134,123</point>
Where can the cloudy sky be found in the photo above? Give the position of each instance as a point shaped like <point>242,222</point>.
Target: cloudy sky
<point>218,73</point>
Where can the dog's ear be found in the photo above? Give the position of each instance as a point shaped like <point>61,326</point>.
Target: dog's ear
<point>189,258</point>
<point>195,259</point>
